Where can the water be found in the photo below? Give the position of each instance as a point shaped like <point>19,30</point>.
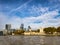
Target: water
<point>29,40</point>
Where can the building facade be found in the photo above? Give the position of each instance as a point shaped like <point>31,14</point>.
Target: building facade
<point>8,26</point>
<point>22,27</point>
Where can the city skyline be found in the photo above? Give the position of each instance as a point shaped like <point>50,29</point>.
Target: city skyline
<point>34,13</point>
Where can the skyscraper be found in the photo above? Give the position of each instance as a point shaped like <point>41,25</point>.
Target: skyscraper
<point>29,28</point>
<point>22,27</point>
<point>8,26</point>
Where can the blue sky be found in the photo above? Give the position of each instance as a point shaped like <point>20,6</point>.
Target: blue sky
<point>36,13</point>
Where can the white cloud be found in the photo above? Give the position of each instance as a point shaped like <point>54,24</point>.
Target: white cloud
<point>3,19</point>
<point>47,19</point>
<point>19,7</point>
<point>37,10</point>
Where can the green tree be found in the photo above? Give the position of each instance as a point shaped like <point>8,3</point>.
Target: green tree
<point>38,30</point>
<point>58,30</point>
<point>49,30</point>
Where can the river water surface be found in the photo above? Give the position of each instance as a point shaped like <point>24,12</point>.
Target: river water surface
<point>29,40</point>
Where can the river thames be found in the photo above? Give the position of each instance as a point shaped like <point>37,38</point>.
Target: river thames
<point>29,40</point>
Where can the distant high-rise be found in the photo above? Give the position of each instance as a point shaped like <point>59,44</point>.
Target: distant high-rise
<point>22,27</point>
<point>8,26</point>
<point>29,28</point>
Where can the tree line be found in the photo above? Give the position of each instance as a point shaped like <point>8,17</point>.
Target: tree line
<point>51,30</point>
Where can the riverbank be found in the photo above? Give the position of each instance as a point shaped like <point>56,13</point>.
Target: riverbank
<point>32,35</point>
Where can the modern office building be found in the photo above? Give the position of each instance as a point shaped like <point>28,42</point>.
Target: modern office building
<point>29,28</point>
<point>1,33</point>
<point>22,27</point>
<point>8,26</point>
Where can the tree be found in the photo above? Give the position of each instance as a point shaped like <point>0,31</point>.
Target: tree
<point>38,30</point>
<point>19,32</point>
<point>58,30</point>
<point>49,30</point>
<point>46,30</point>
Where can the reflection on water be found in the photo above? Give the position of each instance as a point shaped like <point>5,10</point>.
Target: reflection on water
<point>33,40</point>
<point>42,41</point>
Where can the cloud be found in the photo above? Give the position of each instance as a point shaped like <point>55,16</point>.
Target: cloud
<point>47,19</point>
<point>37,10</point>
<point>3,20</point>
<point>43,16</point>
<point>19,8</point>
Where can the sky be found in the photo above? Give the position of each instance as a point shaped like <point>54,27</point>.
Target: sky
<point>34,13</point>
